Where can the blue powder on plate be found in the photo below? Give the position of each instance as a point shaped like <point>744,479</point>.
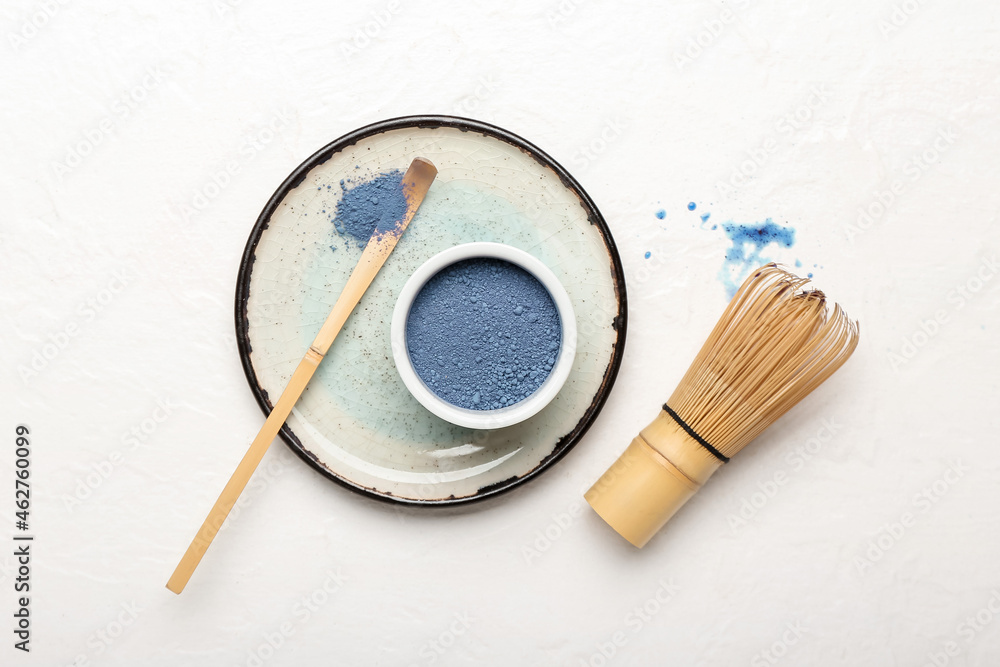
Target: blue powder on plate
<point>483,334</point>
<point>692,206</point>
<point>661,214</point>
<point>377,204</point>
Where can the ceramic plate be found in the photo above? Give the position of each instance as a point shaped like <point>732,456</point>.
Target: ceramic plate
<point>356,423</point>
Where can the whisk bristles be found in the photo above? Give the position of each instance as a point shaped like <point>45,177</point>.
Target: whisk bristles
<point>774,344</point>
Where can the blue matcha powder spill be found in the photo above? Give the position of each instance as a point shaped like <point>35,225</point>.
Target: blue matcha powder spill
<point>483,334</point>
<point>377,204</point>
<point>744,254</point>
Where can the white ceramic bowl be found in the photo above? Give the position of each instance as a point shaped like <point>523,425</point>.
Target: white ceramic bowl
<point>512,414</point>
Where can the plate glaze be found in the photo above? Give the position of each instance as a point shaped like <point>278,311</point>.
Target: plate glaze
<point>356,422</point>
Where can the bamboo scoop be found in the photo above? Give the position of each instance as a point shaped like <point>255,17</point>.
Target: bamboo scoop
<point>416,181</point>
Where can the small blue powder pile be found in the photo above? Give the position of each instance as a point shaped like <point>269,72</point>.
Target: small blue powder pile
<point>373,205</point>
<point>483,334</point>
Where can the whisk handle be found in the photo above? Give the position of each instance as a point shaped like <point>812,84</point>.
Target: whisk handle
<point>661,469</point>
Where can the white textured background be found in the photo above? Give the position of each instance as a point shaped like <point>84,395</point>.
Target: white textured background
<point>116,123</point>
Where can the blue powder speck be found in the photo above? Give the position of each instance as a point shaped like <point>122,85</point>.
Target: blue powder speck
<point>744,255</point>
<point>705,217</point>
<point>810,275</point>
<point>798,263</point>
<point>483,334</point>
<point>648,254</point>
<point>661,214</point>
<point>692,206</point>
<point>377,204</point>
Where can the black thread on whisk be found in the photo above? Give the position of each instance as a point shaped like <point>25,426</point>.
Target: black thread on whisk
<point>690,431</point>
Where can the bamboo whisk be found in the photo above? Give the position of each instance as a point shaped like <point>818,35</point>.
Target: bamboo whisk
<point>773,345</point>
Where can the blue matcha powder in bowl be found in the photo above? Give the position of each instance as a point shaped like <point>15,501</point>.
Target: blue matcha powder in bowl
<point>483,334</point>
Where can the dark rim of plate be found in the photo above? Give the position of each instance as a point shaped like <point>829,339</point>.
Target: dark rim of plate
<point>567,441</point>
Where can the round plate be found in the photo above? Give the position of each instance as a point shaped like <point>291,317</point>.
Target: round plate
<point>356,422</point>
